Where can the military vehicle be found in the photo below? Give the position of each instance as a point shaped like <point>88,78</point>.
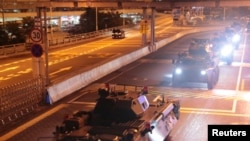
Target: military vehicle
<point>233,35</point>
<point>197,65</point>
<point>224,47</point>
<point>118,34</point>
<point>122,115</point>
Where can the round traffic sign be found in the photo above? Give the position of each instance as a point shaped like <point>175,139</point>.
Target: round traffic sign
<point>36,35</point>
<point>36,50</point>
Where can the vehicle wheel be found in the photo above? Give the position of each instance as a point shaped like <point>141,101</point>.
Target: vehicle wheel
<point>217,74</point>
<point>210,83</point>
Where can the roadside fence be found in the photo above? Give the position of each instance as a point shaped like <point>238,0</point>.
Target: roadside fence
<point>20,99</point>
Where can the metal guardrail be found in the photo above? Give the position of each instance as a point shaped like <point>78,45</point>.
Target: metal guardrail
<point>16,49</point>
<point>20,99</point>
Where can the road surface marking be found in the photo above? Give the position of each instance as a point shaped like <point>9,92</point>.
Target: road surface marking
<point>9,68</point>
<point>61,70</point>
<point>74,99</point>
<point>215,113</point>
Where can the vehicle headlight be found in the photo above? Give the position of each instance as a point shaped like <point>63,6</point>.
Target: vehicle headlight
<point>236,38</point>
<point>178,71</point>
<point>227,50</point>
<point>203,72</point>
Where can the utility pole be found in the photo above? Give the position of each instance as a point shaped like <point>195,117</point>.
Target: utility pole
<point>3,14</point>
<point>96,18</point>
<point>43,67</point>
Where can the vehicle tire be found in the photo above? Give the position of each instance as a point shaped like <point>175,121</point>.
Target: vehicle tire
<point>210,85</point>
<point>210,82</point>
<point>217,74</point>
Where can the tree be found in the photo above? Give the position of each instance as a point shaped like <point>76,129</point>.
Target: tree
<point>28,25</point>
<point>16,34</point>
<point>88,20</point>
<point>105,20</point>
<point>3,37</point>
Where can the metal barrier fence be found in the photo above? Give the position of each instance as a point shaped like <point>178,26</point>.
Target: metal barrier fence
<point>20,99</point>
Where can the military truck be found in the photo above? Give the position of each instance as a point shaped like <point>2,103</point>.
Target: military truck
<point>197,65</point>
<point>122,115</point>
<point>118,34</point>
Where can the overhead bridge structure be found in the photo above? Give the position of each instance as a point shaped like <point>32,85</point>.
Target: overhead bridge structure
<point>125,4</point>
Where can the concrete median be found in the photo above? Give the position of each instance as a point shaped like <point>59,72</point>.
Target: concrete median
<point>70,85</point>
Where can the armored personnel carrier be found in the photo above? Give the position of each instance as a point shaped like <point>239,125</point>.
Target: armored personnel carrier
<point>197,65</point>
<point>122,116</point>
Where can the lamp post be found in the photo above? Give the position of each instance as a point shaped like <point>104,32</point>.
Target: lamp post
<point>96,18</point>
<point>3,14</point>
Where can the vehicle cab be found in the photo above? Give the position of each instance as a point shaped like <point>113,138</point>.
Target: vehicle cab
<point>118,34</point>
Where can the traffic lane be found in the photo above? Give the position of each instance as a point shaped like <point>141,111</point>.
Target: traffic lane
<point>245,78</point>
<point>228,78</point>
<point>193,126</point>
<point>42,127</point>
<point>244,64</point>
<point>246,58</point>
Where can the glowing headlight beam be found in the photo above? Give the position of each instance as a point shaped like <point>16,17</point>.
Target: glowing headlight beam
<point>226,50</point>
<point>178,71</point>
<point>203,72</point>
<point>236,38</point>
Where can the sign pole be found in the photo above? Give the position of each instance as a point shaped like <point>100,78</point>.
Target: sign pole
<point>144,35</point>
<point>46,48</point>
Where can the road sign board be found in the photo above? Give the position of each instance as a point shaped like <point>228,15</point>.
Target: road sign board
<point>36,35</point>
<point>36,50</point>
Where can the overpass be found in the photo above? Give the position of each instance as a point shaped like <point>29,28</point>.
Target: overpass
<point>124,4</point>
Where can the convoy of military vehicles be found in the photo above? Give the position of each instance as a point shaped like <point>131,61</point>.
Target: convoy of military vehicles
<point>200,63</point>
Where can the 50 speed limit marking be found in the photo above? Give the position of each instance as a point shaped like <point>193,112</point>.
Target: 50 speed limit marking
<point>36,35</point>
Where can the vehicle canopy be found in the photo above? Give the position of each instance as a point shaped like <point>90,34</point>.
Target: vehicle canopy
<point>117,30</point>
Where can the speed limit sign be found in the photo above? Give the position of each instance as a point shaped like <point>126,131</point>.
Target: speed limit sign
<point>36,35</point>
